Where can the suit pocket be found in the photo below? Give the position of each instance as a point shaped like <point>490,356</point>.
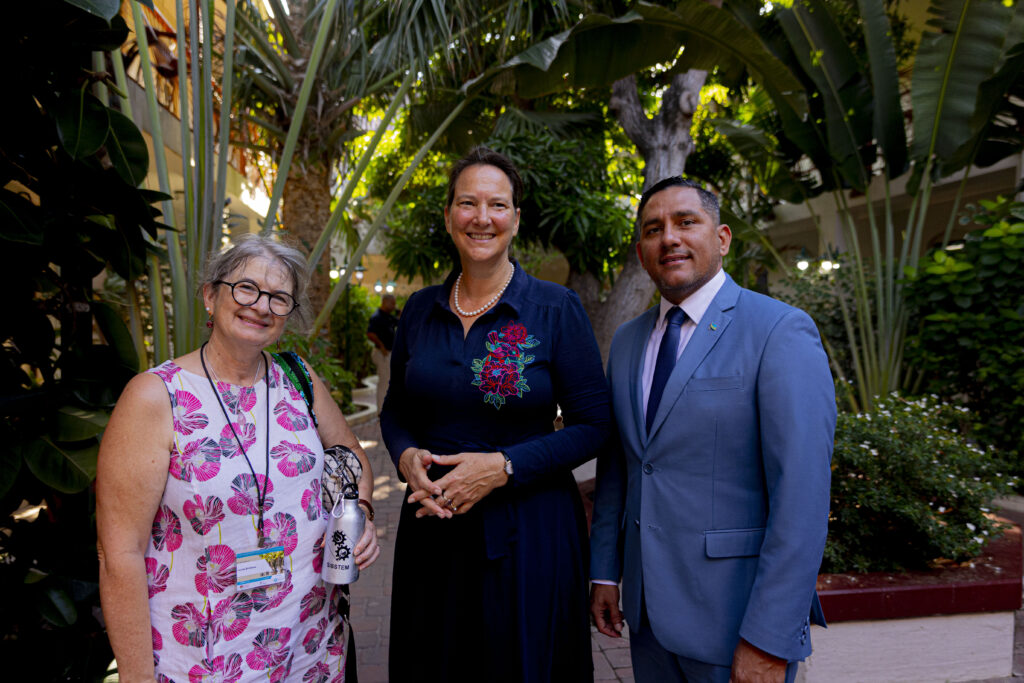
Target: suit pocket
<point>715,383</point>
<point>733,542</point>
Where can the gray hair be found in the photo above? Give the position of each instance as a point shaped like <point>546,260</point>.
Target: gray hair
<point>221,264</point>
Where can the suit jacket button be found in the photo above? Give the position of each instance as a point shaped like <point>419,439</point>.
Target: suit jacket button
<point>648,468</point>
<point>637,523</point>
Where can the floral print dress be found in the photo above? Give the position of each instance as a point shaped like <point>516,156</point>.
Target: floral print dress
<point>203,628</point>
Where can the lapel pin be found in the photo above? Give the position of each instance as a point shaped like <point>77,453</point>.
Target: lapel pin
<point>713,327</point>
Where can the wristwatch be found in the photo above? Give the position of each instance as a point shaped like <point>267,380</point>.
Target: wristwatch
<point>508,464</point>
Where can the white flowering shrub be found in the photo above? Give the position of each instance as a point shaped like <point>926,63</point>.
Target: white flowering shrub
<point>909,489</point>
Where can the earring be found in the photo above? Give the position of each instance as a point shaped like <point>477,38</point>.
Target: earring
<point>209,323</point>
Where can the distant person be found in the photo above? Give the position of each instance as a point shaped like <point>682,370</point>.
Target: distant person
<point>381,331</point>
<point>208,501</point>
<point>713,510</point>
<point>490,565</point>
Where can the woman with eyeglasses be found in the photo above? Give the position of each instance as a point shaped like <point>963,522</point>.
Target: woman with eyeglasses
<point>209,511</point>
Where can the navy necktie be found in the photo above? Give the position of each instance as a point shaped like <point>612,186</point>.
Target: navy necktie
<point>666,361</point>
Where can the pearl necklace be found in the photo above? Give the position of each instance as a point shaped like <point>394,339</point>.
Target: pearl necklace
<point>470,314</point>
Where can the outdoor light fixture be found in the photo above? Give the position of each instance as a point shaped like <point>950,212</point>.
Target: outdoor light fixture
<point>359,274</point>
<point>378,287</point>
<point>802,264</point>
<point>334,274</point>
<point>826,266</point>
<point>390,287</point>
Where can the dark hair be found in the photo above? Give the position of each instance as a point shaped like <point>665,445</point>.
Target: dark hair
<point>252,246</point>
<point>708,201</point>
<point>483,156</point>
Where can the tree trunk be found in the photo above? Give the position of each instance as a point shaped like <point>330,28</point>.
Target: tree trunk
<point>305,210</point>
<point>664,141</point>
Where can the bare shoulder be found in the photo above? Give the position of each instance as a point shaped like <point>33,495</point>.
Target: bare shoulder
<point>142,415</point>
<point>146,391</point>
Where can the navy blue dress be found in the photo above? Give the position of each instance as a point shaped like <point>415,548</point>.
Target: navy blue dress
<point>498,593</point>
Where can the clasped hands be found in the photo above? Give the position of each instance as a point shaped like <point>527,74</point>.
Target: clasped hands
<point>473,477</point>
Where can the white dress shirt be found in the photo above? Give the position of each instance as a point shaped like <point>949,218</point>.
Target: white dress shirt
<point>694,306</point>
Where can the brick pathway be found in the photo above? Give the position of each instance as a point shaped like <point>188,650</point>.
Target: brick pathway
<point>371,594</point>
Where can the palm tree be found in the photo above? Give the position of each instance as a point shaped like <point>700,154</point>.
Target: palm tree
<point>375,51</point>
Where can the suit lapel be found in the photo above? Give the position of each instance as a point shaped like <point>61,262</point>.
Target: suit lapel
<point>710,329</point>
<point>633,381</point>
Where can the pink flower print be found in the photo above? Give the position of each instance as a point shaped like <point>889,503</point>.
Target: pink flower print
<point>166,530</point>
<point>338,603</point>
<point>243,401</point>
<point>162,678</point>
<point>156,577</point>
<point>336,643</point>
<point>216,570</point>
<point>280,673</point>
<point>185,416</point>
<point>244,501</point>
<point>270,648</point>
<point>275,375</point>
<point>204,516</point>
<point>231,617</point>
<point>311,501</point>
<point>189,625</point>
<point>216,670</point>
<point>293,458</point>
<point>315,636</point>
<point>200,458</point>
<point>166,371</point>
<point>281,530</point>
<point>313,602</point>
<point>318,555</point>
<point>289,417</point>
<point>269,597</point>
<point>319,673</point>
<point>229,445</point>
<point>158,644</point>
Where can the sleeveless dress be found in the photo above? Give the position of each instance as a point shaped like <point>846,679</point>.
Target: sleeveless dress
<point>203,628</point>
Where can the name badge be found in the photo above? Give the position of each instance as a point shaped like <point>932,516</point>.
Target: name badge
<point>261,567</point>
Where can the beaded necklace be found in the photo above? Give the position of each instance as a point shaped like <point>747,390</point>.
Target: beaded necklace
<point>470,314</point>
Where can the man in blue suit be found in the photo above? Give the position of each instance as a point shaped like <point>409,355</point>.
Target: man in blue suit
<point>713,507</point>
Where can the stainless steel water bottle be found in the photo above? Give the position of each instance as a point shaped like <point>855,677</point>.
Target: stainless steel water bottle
<point>344,529</point>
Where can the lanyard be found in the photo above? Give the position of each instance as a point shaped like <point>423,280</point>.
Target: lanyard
<point>260,496</point>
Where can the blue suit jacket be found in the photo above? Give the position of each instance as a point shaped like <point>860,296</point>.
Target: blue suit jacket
<point>718,518</point>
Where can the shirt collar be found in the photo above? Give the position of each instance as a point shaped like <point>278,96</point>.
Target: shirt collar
<point>697,303</point>
<point>512,297</point>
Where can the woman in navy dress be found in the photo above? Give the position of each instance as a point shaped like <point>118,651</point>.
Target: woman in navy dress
<point>490,577</point>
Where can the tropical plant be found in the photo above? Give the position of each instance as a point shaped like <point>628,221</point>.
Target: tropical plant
<point>853,141</point>
<point>967,324</point>
<point>908,489</point>
<point>72,212</point>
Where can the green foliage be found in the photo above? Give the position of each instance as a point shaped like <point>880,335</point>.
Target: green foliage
<point>908,488</point>
<point>349,320</point>
<point>322,357</point>
<point>819,294</point>
<point>968,310</point>
<point>71,209</point>
<point>567,205</point>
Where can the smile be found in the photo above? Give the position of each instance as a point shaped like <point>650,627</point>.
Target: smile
<point>253,323</point>
<point>480,236</point>
<point>674,258</point>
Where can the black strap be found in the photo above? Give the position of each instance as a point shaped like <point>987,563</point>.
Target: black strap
<point>296,371</point>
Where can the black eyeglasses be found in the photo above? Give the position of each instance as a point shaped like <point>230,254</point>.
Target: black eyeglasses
<point>247,293</point>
